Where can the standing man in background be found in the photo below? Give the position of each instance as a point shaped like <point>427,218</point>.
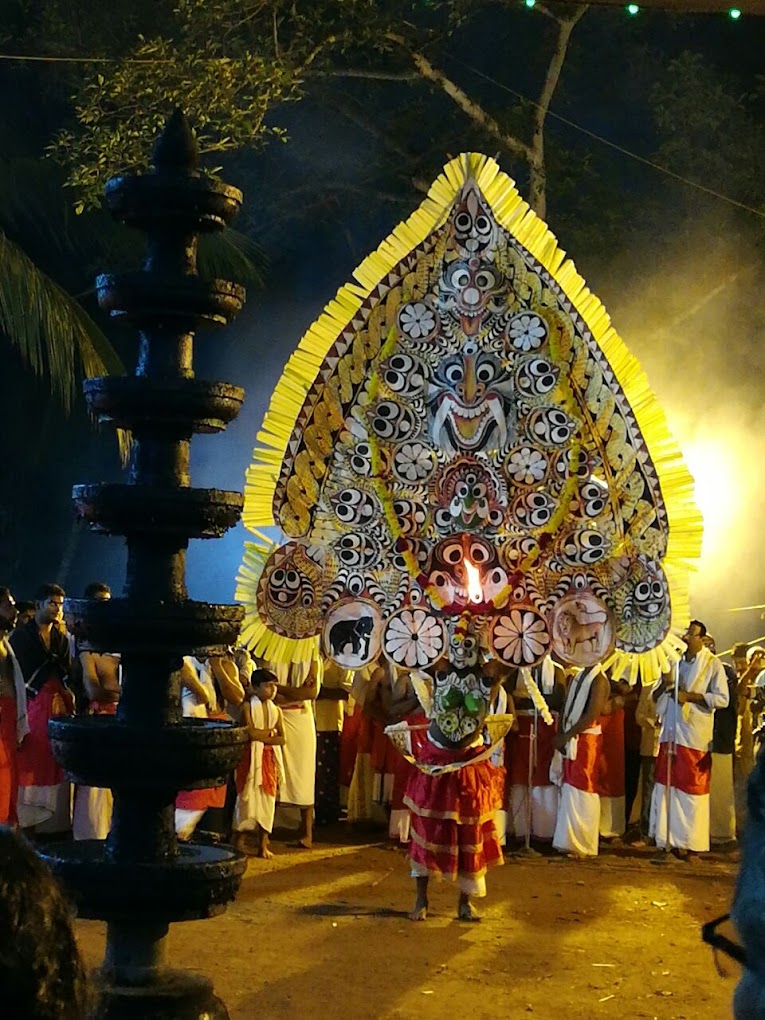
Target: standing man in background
<point>680,807</point>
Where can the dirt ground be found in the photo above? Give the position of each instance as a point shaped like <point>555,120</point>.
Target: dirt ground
<point>324,933</point>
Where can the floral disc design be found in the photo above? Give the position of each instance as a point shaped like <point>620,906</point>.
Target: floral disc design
<point>414,638</point>
<point>519,636</point>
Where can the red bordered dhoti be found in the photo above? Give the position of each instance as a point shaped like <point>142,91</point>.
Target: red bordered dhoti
<point>610,775</point>
<point>578,824</point>
<point>42,787</point>
<point>688,807</point>
<point>539,799</point>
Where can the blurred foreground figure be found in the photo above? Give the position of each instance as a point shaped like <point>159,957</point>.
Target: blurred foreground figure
<point>41,972</point>
<point>14,722</point>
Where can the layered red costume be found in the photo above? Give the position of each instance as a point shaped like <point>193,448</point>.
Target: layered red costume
<point>453,835</point>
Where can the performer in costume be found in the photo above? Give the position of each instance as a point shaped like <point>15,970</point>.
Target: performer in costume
<point>14,721</point>
<point>262,767</point>
<point>532,796</point>
<point>42,649</point>
<point>686,700</point>
<point>456,790</point>
<point>579,743</point>
<point>463,432</point>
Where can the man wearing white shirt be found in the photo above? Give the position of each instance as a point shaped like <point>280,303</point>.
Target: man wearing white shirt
<point>686,699</point>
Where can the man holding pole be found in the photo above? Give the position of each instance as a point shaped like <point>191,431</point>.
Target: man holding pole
<point>686,700</point>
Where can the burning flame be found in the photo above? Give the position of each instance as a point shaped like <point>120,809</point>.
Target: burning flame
<point>475,591</point>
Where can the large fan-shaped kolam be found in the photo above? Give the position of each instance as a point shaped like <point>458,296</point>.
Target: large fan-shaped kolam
<point>463,430</point>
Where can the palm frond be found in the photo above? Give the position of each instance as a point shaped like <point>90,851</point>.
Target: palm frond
<point>232,256</point>
<point>53,333</point>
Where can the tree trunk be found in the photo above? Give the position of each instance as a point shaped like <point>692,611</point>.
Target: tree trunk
<point>537,169</point>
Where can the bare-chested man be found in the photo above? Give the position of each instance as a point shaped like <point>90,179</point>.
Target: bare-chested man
<point>101,678</point>
<point>578,740</point>
<point>14,724</point>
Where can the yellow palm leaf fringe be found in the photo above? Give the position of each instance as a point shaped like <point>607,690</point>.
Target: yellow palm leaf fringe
<point>514,214</point>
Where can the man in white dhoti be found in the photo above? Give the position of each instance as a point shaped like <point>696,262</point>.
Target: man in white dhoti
<point>532,796</point>
<point>297,690</point>
<point>579,740</point>
<point>686,699</point>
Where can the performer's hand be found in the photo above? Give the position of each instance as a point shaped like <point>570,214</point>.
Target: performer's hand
<point>682,697</point>
<point>559,741</point>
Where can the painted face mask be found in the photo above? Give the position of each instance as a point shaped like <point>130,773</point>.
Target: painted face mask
<point>461,695</point>
<point>470,403</point>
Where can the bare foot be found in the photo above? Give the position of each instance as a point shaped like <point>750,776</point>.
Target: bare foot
<point>264,853</point>
<point>466,912</point>
<point>420,911</point>
<point>306,843</point>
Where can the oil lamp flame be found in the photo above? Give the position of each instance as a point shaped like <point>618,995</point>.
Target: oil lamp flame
<point>475,591</point>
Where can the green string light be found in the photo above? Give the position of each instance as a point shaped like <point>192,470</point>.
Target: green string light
<point>530,3</point>
<point>632,9</point>
<point>734,13</point>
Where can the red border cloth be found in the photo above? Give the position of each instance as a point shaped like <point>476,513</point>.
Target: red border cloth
<point>517,753</point>
<point>691,769</point>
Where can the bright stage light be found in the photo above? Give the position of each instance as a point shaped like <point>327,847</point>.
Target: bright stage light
<point>734,13</point>
<point>632,8</point>
<point>715,468</point>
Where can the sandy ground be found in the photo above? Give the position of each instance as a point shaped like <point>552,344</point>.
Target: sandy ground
<point>324,933</point>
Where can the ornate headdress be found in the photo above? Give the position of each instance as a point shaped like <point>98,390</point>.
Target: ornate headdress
<point>462,430</point>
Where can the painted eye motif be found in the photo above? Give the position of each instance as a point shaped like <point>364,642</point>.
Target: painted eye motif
<point>460,277</point>
<point>411,515</point>
<point>486,372</point>
<point>284,588</point>
<point>352,506</point>
<point>392,421</point>
<point>452,553</point>
<point>584,546</point>
<point>594,498</point>
<point>463,222</point>
<point>480,553</point>
<point>483,224</point>
<point>356,551</point>
<point>536,377</point>
<point>403,374</point>
<point>650,598</point>
<point>408,551</point>
<point>550,426</point>
<point>533,509</point>
<point>361,459</point>
<point>454,373</point>
<point>485,279</point>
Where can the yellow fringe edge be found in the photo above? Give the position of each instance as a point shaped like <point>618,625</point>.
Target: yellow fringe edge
<point>514,214</point>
